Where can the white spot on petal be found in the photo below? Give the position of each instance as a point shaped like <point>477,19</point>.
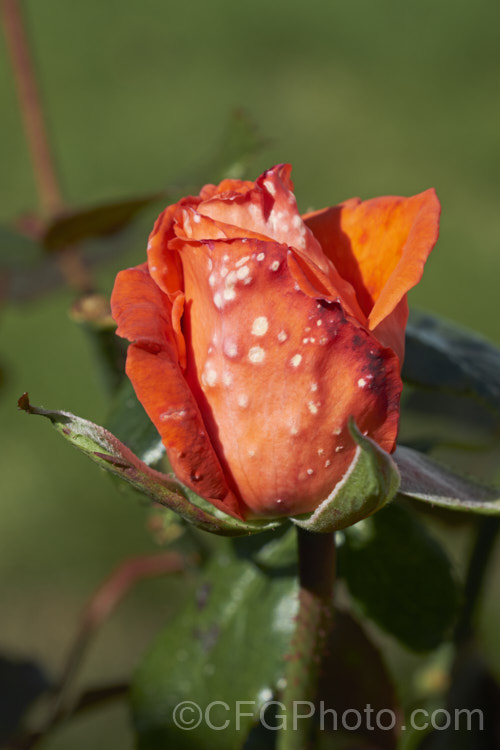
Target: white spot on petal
<point>314,387</point>
<point>212,279</point>
<point>230,349</point>
<point>296,360</point>
<point>261,256</point>
<point>270,187</point>
<point>310,471</point>
<point>229,293</point>
<point>196,218</point>
<point>296,222</point>
<point>282,336</point>
<point>361,382</point>
<point>274,265</point>
<point>173,414</point>
<point>243,400</point>
<point>218,301</point>
<point>327,463</point>
<point>209,377</point>
<point>242,261</point>
<point>242,272</point>
<point>227,378</point>
<point>313,408</point>
<point>256,354</point>
<point>260,326</point>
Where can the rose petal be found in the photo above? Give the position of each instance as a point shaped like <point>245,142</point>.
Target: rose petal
<point>277,374</point>
<point>192,225</point>
<point>380,246</point>
<point>144,317</point>
<point>268,208</point>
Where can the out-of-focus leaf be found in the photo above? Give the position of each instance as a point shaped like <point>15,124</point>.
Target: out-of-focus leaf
<point>354,676</point>
<point>443,356</point>
<point>17,251</point>
<point>400,577</point>
<point>370,482</point>
<point>81,224</point>
<point>112,455</point>
<point>473,709</point>
<point>21,683</point>
<point>227,645</point>
<point>424,479</point>
<point>430,419</point>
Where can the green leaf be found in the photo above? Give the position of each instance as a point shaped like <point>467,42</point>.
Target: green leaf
<point>424,479</point>
<point>227,645</point>
<point>441,355</point>
<point>370,482</point>
<point>97,221</point>
<point>109,453</point>
<point>400,577</point>
<point>21,684</point>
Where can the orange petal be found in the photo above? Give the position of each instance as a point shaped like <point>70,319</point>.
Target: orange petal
<point>144,315</point>
<point>277,374</point>
<point>164,265</point>
<point>267,208</point>
<point>380,246</point>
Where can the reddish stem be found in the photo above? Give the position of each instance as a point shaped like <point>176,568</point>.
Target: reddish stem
<point>42,158</point>
<point>31,107</point>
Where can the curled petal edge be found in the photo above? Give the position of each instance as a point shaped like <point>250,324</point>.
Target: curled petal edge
<point>102,447</point>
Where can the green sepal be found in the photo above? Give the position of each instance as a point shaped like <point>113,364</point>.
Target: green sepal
<point>109,453</point>
<point>369,483</point>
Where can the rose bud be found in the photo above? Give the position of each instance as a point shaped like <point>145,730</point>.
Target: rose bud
<point>257,334</point>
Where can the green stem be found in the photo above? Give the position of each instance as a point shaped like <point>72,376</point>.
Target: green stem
<point>313,625</point>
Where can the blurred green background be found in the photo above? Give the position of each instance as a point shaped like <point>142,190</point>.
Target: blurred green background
<point>363,98</point>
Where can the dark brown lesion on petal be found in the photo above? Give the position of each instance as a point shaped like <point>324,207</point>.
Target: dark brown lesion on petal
<point>357,341</point>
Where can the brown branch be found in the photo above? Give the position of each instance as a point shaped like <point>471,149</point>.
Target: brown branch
<point>31,107</point>
<point>49,191</point>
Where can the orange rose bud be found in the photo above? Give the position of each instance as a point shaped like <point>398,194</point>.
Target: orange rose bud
<point>257,333</point>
